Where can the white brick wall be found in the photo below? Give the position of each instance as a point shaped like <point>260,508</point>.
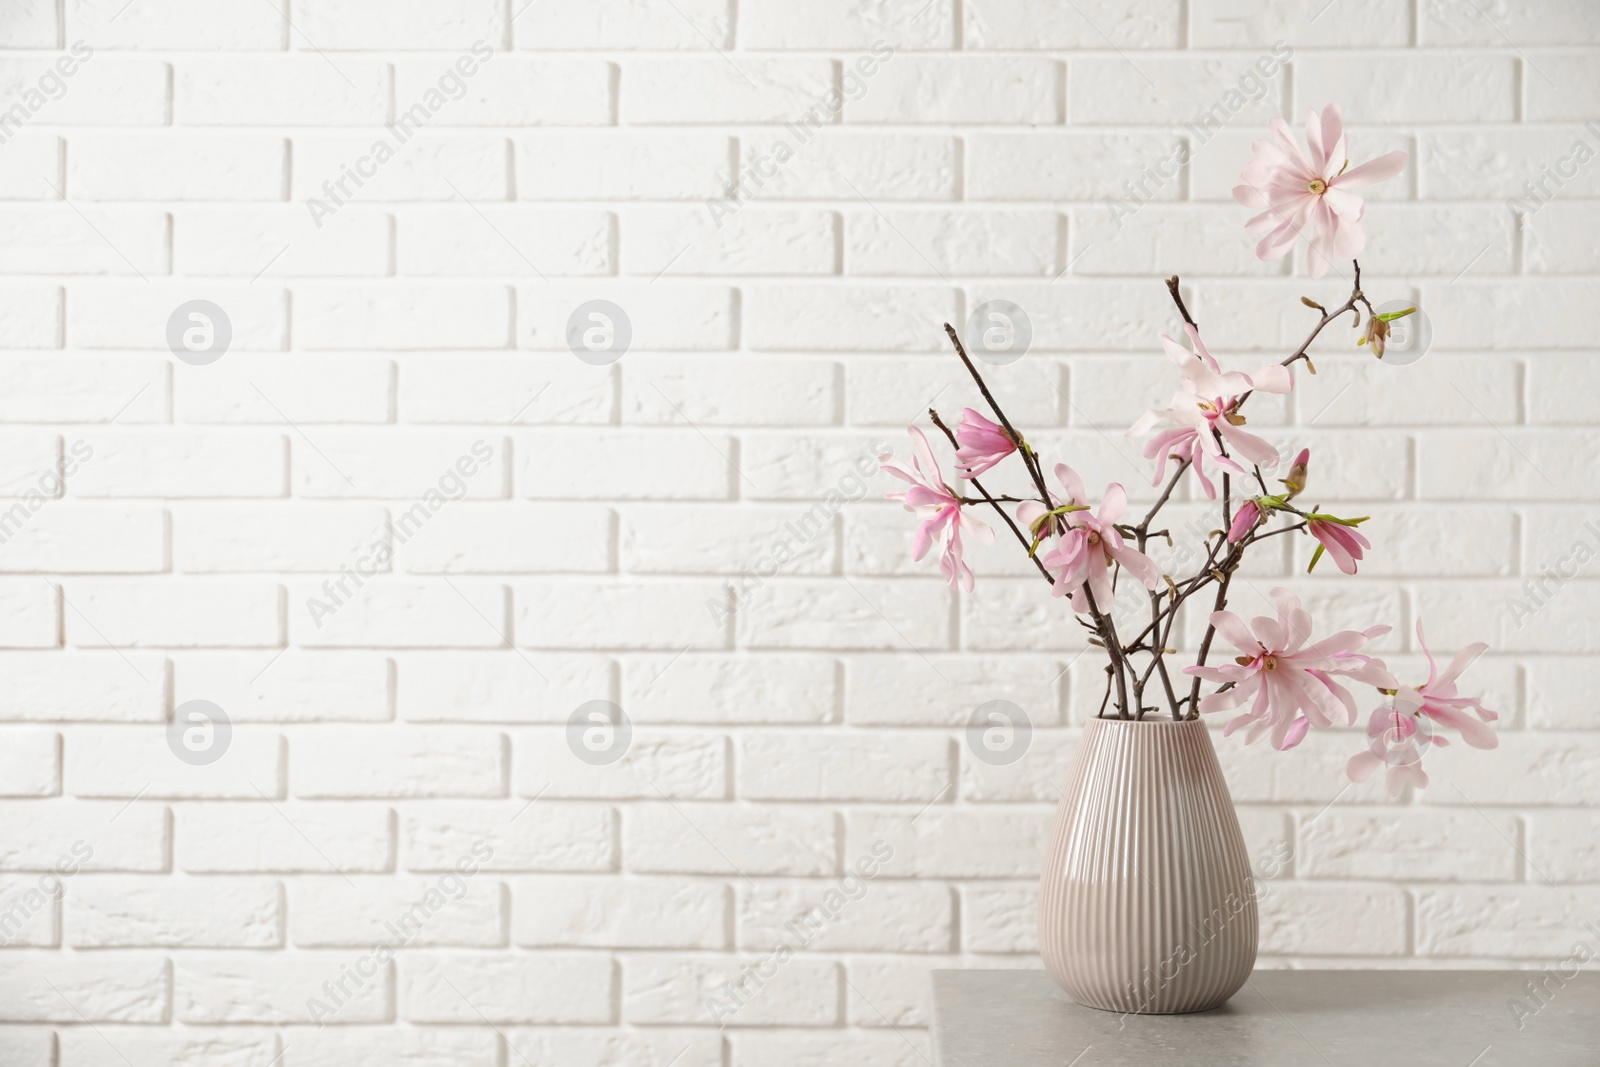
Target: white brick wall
<point>399,298</point>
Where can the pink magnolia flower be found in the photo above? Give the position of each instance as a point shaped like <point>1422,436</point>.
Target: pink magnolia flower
<point>1401,732</point>
<point>1204,414</point>
<point>1296,481</point>
<point>1307,193</point>
<point>1084,553</point>
<point>1290,685</point>
<point>1339,538</point>
<point>1244,521</point>
<point>983,444</point>
<point>1395,740</point>
<point>944,520</point>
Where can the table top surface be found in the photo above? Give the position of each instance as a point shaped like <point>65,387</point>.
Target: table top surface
<point>1018,1018</point>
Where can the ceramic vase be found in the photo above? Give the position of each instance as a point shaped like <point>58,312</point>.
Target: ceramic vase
<point>1147,904</point>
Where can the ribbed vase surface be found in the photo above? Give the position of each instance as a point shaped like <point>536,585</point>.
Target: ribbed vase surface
<point>1147,904</point>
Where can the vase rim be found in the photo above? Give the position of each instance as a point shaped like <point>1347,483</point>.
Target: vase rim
<point>1163,720</point>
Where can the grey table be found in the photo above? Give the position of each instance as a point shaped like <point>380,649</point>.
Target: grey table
<point>1281,1018</point>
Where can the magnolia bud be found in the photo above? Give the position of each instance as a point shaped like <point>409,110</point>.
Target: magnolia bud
<point>1297,472</point>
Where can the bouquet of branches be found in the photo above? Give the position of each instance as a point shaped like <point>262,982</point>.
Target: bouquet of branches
<point>1285,682</point>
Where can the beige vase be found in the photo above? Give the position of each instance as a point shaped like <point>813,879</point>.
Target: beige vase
<point>1147,904</point>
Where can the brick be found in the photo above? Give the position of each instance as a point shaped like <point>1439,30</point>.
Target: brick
<point>1519,464</point>
<point>452,910</point>
<point>1036,24</point>
<point>1561,846</point>
<point>1555,83</point>
<point>539,837</point>
<point>287,838</point>
<point>710,90</point>
<point>726,840</point>
<point>1430,88</point>
<point>92,988</point>
<point>101,91</point>
<point>626,464</point>
<point>127,314</point>
<point>474,388</point>
<point>914,89</point>
<point>1526,769</point>
<point>1035,774</point>
<point>277,242</point>
<point>522,989</point>
<point>953,844</point>
<point>1449,846</point>
<point>505,91</point>
<point>716,688</point>
<point>89,836</point>
<point>805,1048</point>
<point>30,763</point>
<point>136,761</point>
<point>1555,692</point>
<point>1218,89</point>
<point>32,471</point>
<point>840,164</point>
<point>89,389</point>
<point>888,992</point>
<point>112,613</point>
<point>1424,542</point>
<point>996,610</point>
<point>1362,391</point>
<point>1551,245</point>
<point>177,167</point>
<point>1527,165</point>
<point>1086,315</point>
<point>843,765</point>
<point>511,538</point>
<point>32,24</point>
<point>971,242</point>
<point>588,25</point>
<point>823,471</point>
<point>375,25</point>
<point>839,25</point>
<point>1342,920</point>
<point>684,241</point>
<point>595,1047</point>
<point>31,610</point>
<point>126,241</point>
<point>1000,918</point>
<point>667,989</point>
<point>119,912</point>
<point>623,165</point>
<point>1069,165</point>
<point>1537,22</point>
<point>854,916</point>
<point>900,690</point>
<point>211,539</point>
<point>406,315</point>
<point>1108,242</point>
<point>73,539</point>
<point>1460,238</point>
<point>30,911</point>
<point>663,316</point>
<point>183,25</point>
<point>1506,314</point>
<point>272,988</point>
<point>399,763</point>
<point>430,165</point>
<point>715,390</point>
<point>727,540</point>
<point>504,240</point>
<point>497,686</point>
<point>84,1047</point>
<point>1239,24</point>
<point>654,765</point>
<point>32,156</point>
<point>30,317</point>
<point>590,615</point>
<point>852,318</point>
<point>294,686</point>
<point>1529,922</point>
<point>412,1047</point>
<point>865,614</point>
<point>431,470</point>
<point>300,91</point>
<point>652,913</point>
